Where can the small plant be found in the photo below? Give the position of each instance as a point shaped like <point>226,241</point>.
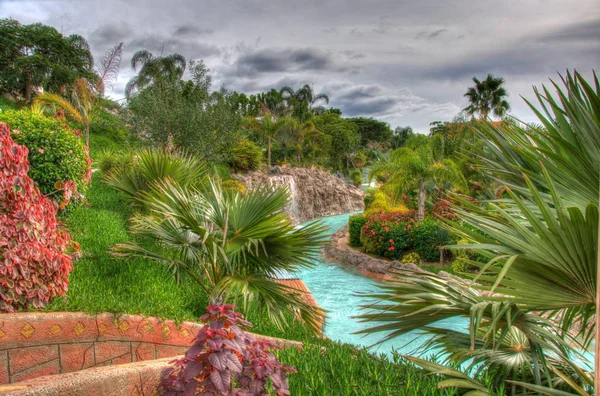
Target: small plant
<point>33,248</point>
<point>355,224</point>
<point>234,187</point>
<point>246,156</point>
<point>110,161</point>
<point>356,177</point>
<point>225,360</point>
<point>56,153</point>
<point>411,258</point>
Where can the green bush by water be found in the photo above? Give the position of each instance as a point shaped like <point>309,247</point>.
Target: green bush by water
<point>355,225</point>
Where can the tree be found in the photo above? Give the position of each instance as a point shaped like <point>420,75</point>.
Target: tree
<point>303,101</point>
<point>302,132</point>
<point>401,135</point>
<point>37,55</point>
<point>232,246</point>
<point>80,108</point>
<point>154,69</point>
<point>343,137</point>
<point>372,130</point>
<point>410,169</point>
<point>487,96</point>
<point>267,128</point>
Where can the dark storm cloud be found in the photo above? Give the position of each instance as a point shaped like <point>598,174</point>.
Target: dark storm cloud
<point>110,34</point>
<point>577,32</point>
<point>282,61</point>
<point>429,35</point>
<point>191,30</point>
<point>191,48</point>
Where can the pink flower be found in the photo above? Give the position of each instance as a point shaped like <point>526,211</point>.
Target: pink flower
<point>41,151</point>
<point>70,151</point>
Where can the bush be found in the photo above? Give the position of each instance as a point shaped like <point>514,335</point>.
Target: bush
<point>388,234</point>
<point>234,187</point>
<point>109,161</point>
<point>428,236</point>
<point>246,156</point>
<point>226,360</point>
<point>381,203</point>
<point>56,153</point>
<point>356,177</point>
<point>369,197</point>
<point>355,224</point>
<point>107,124</point>
<point>411,258</point>
<point>33,249</point>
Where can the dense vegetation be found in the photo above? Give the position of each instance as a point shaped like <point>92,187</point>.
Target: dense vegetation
<point>164,228</point>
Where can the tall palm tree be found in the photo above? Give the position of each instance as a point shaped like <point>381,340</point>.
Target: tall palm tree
<point>540,285</point>
<point>487,96</point>
<point>153,69</point>
<point>232,246</point>
<point>80,107</point>
<point>303,101</point>
<point>410,169</point>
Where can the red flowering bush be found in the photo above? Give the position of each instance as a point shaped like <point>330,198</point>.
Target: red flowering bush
<point>225,360</point>
<point>34,264</point>
<point>443,208</point>
<point>388,234</point>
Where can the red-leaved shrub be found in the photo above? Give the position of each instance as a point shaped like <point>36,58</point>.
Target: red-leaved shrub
<point>34,264</point>
<point>225,360</point>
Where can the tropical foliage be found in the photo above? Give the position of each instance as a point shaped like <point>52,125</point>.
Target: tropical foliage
<point>487,96</point>
<point>33,248</point>
<point>533,306</point>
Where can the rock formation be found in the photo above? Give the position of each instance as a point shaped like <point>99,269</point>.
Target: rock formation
<point>313,192</point>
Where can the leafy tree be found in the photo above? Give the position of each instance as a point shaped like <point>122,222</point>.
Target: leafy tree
<point>487,96</point>
<point>401,135</point>
<point>372,130</point>
<point>37,55</point>
<point>303,101</point>
<point>302,133</point>
<point>154,69</point>
<point>410,169</point>
<point>266,128</point>
<point>343,136</point>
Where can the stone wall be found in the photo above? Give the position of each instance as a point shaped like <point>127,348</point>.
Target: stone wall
<point>41,344</point>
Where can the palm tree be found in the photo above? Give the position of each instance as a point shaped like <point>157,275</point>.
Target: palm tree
<point>153,69</point>
<point>540,283</point>
<point>232,245</point>
<point>410,169</point>
<point>267,128</point>
<point>401,135</point>
<point>487,96</point>
<point>80,108</point>
<point>303,100</point>
<point>302,132</point>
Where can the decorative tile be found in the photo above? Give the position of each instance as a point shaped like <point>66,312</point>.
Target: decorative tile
<point>102,328</point>
<point>27,331</point>
<point>79,329</point>
<point>147,328</point>
<point>166,330</point>
<point>55,329</point>
<point>123,326</point>
<point>184,333</point>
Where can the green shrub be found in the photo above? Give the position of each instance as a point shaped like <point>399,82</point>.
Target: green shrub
<point>246,156</point>
<point>427,237</point>
<point>387,234</point>
<point>55,152</point>
<point>355,224</point>
<point>369,197</point>
<point>356,177</point>
<point>411,258</point>
<point>6,104</point>
<point>109,161</point>
<point>234,187</point>
<point>107,124</point>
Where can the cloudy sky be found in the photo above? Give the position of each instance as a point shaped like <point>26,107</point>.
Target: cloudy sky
<point>406,62</point>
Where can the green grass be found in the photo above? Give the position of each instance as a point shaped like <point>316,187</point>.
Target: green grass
<point>331,368</point>
<point>6,104</point>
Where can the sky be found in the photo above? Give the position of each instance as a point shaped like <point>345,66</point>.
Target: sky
<point>405,62</point>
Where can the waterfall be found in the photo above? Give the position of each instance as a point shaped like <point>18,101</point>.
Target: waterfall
<point>287,182</point>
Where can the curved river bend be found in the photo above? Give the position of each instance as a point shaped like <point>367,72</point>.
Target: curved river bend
<point>334,289</point>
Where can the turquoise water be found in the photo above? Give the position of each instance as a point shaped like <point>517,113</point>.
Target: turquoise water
<point>334,289</point>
